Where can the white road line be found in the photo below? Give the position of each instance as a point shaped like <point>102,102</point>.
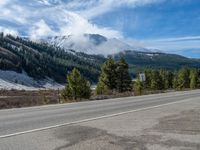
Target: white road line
<point>90,119</point>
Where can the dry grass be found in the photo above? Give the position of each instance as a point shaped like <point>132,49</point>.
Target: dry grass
<point>17,99</point>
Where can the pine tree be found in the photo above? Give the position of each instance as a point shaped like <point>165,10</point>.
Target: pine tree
<point>138,87</point>
<point>77,87</point>
<point>171,78</point>
<point>175,81</point>
<point>107,79</point>
<point>156,81</point>
<point>193,78</point>
<point>183,79</point>
<point>148,75</point>
<point>123,80</point>
<point>85,91</point>
<point>101,87</point>
<point>198,78</point>
<point>164,79</point>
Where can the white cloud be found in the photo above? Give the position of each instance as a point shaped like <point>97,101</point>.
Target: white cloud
<point>3,2</point>
<point>36,21</point>
<point>13,12</point>
<point>185,38</point>
<point>78,25</point>
<point>57,17</point>
<point>40,29</point>
<point>97,7</point>
<point>174,44</point>
<point>9,31</point>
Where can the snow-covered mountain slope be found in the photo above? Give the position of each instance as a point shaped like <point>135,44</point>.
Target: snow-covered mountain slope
<point>92,44</point>
<point>21,81</point>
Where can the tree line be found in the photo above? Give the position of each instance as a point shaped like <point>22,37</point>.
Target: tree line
<point>184,78</point>
<point>115,77</point>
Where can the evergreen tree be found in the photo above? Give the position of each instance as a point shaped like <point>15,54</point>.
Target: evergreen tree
<point>166,79</point>
<point>156,81</point>
<point>77,87</point>
<point>101,88</point>
<point>148,75</point>
<point>193,78</point>
<point>175,81</point>
<point>107,79</point>
<point>198,78</point>
<point>85,89</point>
<point>123,82</point>
<point>183,78</point>
<point>171,78</point>
<point>138,87</point>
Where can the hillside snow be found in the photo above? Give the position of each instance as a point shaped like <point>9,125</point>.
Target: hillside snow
<point>21,81</point>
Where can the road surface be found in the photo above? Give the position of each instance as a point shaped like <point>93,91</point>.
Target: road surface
<point>22,122</point>
<point>14,121</point>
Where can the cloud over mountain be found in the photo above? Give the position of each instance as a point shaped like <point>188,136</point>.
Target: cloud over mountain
<point>59,17</point>
<point>138,22</point>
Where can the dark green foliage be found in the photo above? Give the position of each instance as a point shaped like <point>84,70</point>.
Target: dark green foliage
<point>123,81</point>
<point>148,75</point>
<point>101,87</point>
<point>77,87</point>
<point>183,78</point>
<point>163,79</point>
<point>107,79</point>
<point>166,79</point>
<point>156,81</point>
<point>193,78</point>
<point>114,76</point>
<point>198,79</point>
<point>175,81</point>
<point>138,87</point>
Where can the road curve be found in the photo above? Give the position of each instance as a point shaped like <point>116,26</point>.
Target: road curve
<point>20,120</point>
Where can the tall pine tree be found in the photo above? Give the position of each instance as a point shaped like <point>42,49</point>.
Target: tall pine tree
<point>183,78</point>
<point>123,82</point>
<point>156,80</point>
<point>193,78</point>
<point>107,79</point>
<point>77,87</point>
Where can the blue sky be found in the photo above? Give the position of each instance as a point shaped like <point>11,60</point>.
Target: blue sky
<point>168,25</point>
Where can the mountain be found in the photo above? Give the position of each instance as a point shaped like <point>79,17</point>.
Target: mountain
<point>138,61</point>
<point>91,44</point>
<point>41,61</point>
<point>25,64</point>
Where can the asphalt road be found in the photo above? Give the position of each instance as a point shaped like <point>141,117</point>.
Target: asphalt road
<point>18,121</point>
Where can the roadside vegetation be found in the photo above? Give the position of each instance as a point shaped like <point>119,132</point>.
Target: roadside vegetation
<point>77,87</point>
<point>162,80</point>
<point>115,79</point>
<point>22,98</point>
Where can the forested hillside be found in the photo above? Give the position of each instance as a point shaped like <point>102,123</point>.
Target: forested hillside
<point>40,60</point>
<point>139,61</point>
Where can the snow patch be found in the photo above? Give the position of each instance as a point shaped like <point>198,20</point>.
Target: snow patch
<point>151,55</point>
<point>21,81</point>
